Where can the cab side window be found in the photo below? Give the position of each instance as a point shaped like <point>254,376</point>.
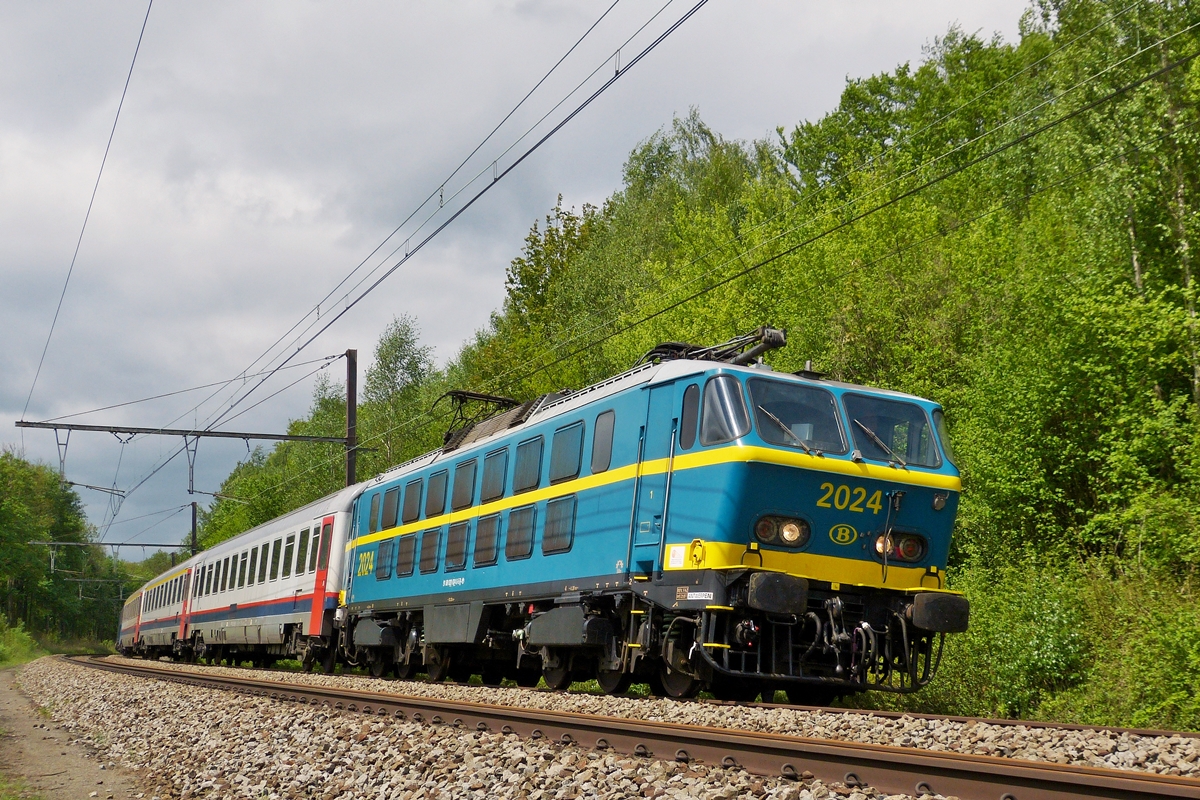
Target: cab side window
<point>602,441</point>
<point>689,417</point>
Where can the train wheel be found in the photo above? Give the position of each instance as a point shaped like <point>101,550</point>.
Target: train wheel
<point>491,674</point>
<point>438,670</point>
<point>408,669</point>
<point>377,667</point>
<point>528,678</point>
<point>677,684</point>
<point>612,681</point>
<point>556,678</point>
<point>329,660</point>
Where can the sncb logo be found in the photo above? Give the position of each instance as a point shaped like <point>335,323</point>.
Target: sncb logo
<point>843,534</point>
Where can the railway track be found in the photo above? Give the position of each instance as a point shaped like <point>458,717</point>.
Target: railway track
<point>894,770</point>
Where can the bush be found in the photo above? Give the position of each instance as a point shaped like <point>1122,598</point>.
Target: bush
<point>16,645</point>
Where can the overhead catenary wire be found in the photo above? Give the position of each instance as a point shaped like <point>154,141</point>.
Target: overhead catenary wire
<point>211,423</point>
<point>91,201</point>
<point>348,303</point>
<point>436,192</point>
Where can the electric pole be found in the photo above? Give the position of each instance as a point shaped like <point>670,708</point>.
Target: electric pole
<point>351,417</point>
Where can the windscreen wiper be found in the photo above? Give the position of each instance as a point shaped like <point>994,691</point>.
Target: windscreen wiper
<point>787,430</point>
<point>881,445</point>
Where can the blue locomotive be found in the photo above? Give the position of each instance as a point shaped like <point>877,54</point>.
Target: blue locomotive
<point>698,522</point>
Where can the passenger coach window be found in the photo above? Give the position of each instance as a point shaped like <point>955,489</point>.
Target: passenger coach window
<point>224,573</point>
<point>560,525</point>
<point>262,563</point>
<point>494,466</point>
<point>406,550</point>
<point>208,579</point>
<point>197,585</point>
<point>456,547</point>
<point>527,473</point>
<point>383,561</point>
<point>288,551</point>
<point>520,533</point>
<point>435,500</point>
<point>687,420</point>
<point>302,552</point>
<point>253,566</point>
<point>316,544</point>
<point>412,501</point>
<point>464,485</point>
<point>275,547</point>
<point>724,418</point>
<point>326,535</point>
<point>391,506</point>
<point>566,453</point>
<point>487,533</point>
<point>602,440</point>
<point>373,520</point>
<point>242,569</point>
<point>431,540</point>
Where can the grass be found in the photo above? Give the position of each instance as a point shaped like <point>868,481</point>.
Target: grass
<point>16,789</point>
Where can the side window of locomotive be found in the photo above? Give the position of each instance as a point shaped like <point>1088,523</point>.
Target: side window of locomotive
<point>412,501</point>
<point>724,417</point>
<point>391,503</point>
<point>902,427</point>
<point>602,440</point>
<point>939,423</point>
<point>494,466</point>
<point>527,473</point>
<point>288,551</point>
<point>316,546</point>
<point>431,540</point>
<point>373,519</point>
<point>406,551</point>
<point>262,562</point>
<point>795,415</point>
<point>456,546</point>
<point>464,485</point>
<point>253,569</point>
<point>242,568</point>
<point>560,525</point>
<point>302,552</point>
<point>520,533</point>
<point>383,561</point>
<point>689,417</point>
<point>326,535</point>
<point>435,500</point>
<point>566,453</point>
<point>275,547</point>
<point>487,536</point>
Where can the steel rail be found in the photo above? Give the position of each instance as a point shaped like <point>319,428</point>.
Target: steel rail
<point>889,769</point>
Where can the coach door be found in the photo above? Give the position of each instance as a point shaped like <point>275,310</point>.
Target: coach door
<point>316,622</point>
<point>653,483</point>
<point>187,597</point>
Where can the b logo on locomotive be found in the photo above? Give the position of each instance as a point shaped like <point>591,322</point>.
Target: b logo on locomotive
<point>843,534</point>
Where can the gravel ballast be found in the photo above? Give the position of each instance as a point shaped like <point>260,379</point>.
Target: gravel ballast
<point>196,742</point>
<point>1167,755</point>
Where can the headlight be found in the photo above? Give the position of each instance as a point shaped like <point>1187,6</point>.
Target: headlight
<point>901,547</point>
<point>783,530</point>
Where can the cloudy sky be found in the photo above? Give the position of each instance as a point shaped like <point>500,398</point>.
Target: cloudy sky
<point>265,149</point>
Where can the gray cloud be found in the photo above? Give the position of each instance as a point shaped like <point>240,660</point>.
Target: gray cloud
<point>264,149</point>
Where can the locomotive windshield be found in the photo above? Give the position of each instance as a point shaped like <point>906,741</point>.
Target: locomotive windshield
<point>794,415</point>
<point>891,430</point>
